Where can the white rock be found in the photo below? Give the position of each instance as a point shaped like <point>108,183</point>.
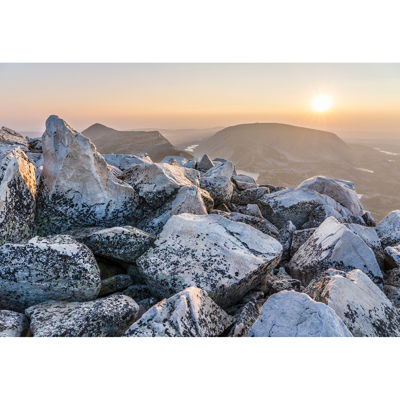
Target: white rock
<point>388,229</point>
<point>291,314</point>
<point>361,305</point>
<point>222,257</point>
<point>126,161</point>
<point>12,324</point>
<point>10,137</point>
<point>188,313</point>
<point>333,245</point>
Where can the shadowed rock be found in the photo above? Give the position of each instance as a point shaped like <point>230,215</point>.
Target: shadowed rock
<point>12,324</point>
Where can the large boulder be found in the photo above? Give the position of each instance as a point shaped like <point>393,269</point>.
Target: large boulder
<point>12,324</point>
<point>10,137</point>
<point>341,191</point>
<point>296,314</point>
<point>17,195</point>
<point>333,245</point>
<point>217,181</point>
<point>54,268</point>
<point>305,208</point>
<point>121,243</point>
<point>222,257</point>
<point>388,229</point>
<point>110,316</point>
<point>361,305</point>
<point>188,313</point>
<point>77,186</point>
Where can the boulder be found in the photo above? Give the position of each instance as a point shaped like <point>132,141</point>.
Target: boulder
<point>205,163</point>
<point>223,257</point>
<point>126,161</point>
<point>285,238</point>
<point>248,196</point>
<point>333,245</point>
<point>77,187</point>
<point>292,314</point>
<point>188,313</point>
<point>392,256</point>
<point>114,284</point>
<point>298,238</point>
<point>17,195</point>
<point>137,291</point>
<point>245,319</point>
<point>341,191</point>
<point>244,182</point>
<point>217,181</point>
<point>388,229</point>
<point>10,137</point>
<point>305,208</point>
<point>13,324</point>
<point>276,283</point>
<point>121,243</point>
<point>360,304</point>
<point>393,294</point>
<point>53,268</point>
<point>109,316</point>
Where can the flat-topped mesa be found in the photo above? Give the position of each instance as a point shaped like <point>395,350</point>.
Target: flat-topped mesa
<point>77,186</point>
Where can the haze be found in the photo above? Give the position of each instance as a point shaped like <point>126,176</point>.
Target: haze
<point>172,96</point>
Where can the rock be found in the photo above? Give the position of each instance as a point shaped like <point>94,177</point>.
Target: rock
<point>17,195</point>
<point>12,324</point>
<point>109,316</point>
<point>370,237</point>
<point>114,284</point>
<point>341,191</point>
<point>121,243</point>
<point>285,238</point>
<point>35,145</point>
<point>361,305</point>
<point>188,313</point>
<point>392,256</point>
<point>248,196</point>
<point>10,137</point>
<point>275,283</point>
<point>333,245</point>
<point>77,187</point>
<point>205,163</point>
<point>174,160</point>
<point>393,294</point>
<point>296,314</point>
<point>138,292</point>
<point>272,188</point>
<point>369,221</point>
<point>298,206</point>
<point>388,229</point>
<point>244,320</point>
<point>53,268</point>
<point>225,258</point>
<point>217,181</point>
<point>298,238</point>
<point>253,210</point>
<point>109,268</point>
<point>126,161</point>
<point>244,182</point>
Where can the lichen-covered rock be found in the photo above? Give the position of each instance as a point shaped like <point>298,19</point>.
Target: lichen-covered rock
<point>245,319</point>
<point>114,284</point>
<point>388,229</point>
<point>361,305</point>
<point>126,161</point>
<point>393,294</point>
<point>109,316</point>
<point>12,324</point>
<point>285,238</point>
<point>205,163</point>
<point>298,238</point>
<point>305,208</point>
<point>77,187</point>
<point>392,256</point>
<point>10,137</point>
<point>217,181</point>
<point>276,283</point>
<point>244,182</point>
<point>137,291</point>
<point>121,243</point>
<point>333,245</point>
<point>296,314</point>
<point>188,313</point>
<point>17,195</point>
<point>222,257</point>
<point>341,191</point>
<point>249,196</point>
<point>53,268</point>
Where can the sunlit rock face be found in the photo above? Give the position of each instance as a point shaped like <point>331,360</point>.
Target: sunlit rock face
<point>53,268</point>
<point>17,195</point>
<point>77,187</point>
<point>361,305</point>
<point>109,316</point>
<point>190,313</point>
<point>333,245</point>
<point>222,257</point>
<point>288,314</point>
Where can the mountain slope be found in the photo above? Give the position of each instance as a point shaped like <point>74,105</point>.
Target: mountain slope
<point>108,140</point>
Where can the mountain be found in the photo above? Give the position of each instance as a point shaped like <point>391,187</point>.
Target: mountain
<point>108,140</point>
<point>281,154</point>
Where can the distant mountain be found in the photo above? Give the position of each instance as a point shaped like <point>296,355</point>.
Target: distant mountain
<point>108,140</point>
<point>285,155</point>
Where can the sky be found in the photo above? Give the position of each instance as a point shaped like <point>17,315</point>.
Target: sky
<point>365,97</point>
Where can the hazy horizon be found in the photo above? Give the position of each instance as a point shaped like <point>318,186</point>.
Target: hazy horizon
<point>365,97</point>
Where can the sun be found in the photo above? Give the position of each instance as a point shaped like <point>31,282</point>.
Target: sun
<point>322,102</point>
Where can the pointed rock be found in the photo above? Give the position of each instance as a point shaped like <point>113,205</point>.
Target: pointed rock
<point>205,163</point>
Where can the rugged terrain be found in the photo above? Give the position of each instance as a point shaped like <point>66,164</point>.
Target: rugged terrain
<point>96,244</point>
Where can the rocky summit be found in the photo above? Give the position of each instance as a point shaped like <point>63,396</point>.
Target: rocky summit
<point>98,244</point>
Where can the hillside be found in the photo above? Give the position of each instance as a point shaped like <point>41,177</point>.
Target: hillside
<point>108,140</point>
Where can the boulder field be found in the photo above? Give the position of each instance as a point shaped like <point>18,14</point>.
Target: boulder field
<point>118,245</point>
